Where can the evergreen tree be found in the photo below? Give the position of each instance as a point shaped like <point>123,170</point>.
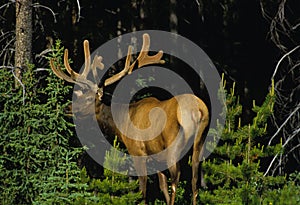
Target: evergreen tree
<point>114,188</point>
<point>234,175</point>
<point>37,163</point>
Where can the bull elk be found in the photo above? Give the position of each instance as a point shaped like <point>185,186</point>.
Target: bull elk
<point>186,117</point>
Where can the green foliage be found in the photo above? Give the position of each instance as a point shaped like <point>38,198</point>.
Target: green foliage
<point>181,192</point>
<point>141,83</point>
<point>37,163</point>
<point>234,176</point>
<point>115,188</point>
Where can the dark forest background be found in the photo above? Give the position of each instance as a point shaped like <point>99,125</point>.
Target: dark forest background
<point>253,43</point>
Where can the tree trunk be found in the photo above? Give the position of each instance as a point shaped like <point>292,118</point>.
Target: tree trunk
<point>173,17</point>
<point>23,46</point>
<point>173,23</point>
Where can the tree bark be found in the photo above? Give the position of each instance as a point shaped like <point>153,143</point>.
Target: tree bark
<point>23,46</point>
<point>173,17</point>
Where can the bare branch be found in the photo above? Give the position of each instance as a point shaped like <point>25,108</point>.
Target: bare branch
<point>264,13</point>
<point>296,147</point>
<point>7,66</point>
<point>286,116</point>
<point>279,24</point>
<point>41,69</point>
<point>110,11</point>
<point>7,45</point>
<point>296,26</point>
<point>43,53</point>
<point>36,5</point>
<point>284,123</point>
<point>7,4</point>
<point>79,10</point>
<point>284,56</point>
<point>6,35</point>
<point>287,141</point>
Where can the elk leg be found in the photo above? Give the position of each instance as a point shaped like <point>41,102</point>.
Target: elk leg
<point>140,167</point>
<point>197,155</point>
<point>164,186</point>
<point>195,167</point>
<point>175,175</point>
<point>143,187</point>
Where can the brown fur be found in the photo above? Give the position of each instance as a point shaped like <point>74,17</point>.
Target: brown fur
<point>183,111</point>
<point>174,121</point>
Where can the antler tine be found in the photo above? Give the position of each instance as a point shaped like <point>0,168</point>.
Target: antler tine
<point>80,79</point>
<point>59,73</point>
<point>87,62</point>
<point>87,57</point>
<point>97,63</point>
<point>73,74</point>
<point>143,59</point>
<point>122,73</point>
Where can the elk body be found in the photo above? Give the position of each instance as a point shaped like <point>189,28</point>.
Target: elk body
<point>185,118</point>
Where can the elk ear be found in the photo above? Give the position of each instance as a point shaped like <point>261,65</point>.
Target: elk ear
<point>78,93</point>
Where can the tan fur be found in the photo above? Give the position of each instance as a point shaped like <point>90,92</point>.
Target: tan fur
<point>184,111</point>
<point>173,122</point>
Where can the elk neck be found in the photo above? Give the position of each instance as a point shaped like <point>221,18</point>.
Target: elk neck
<point>105,119</point>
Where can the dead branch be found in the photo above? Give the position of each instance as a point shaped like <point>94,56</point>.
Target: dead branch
<point>37,5</point>
<point>282,58</point>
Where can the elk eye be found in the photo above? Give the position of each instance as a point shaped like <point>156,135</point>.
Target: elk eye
<point>90,98</point>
